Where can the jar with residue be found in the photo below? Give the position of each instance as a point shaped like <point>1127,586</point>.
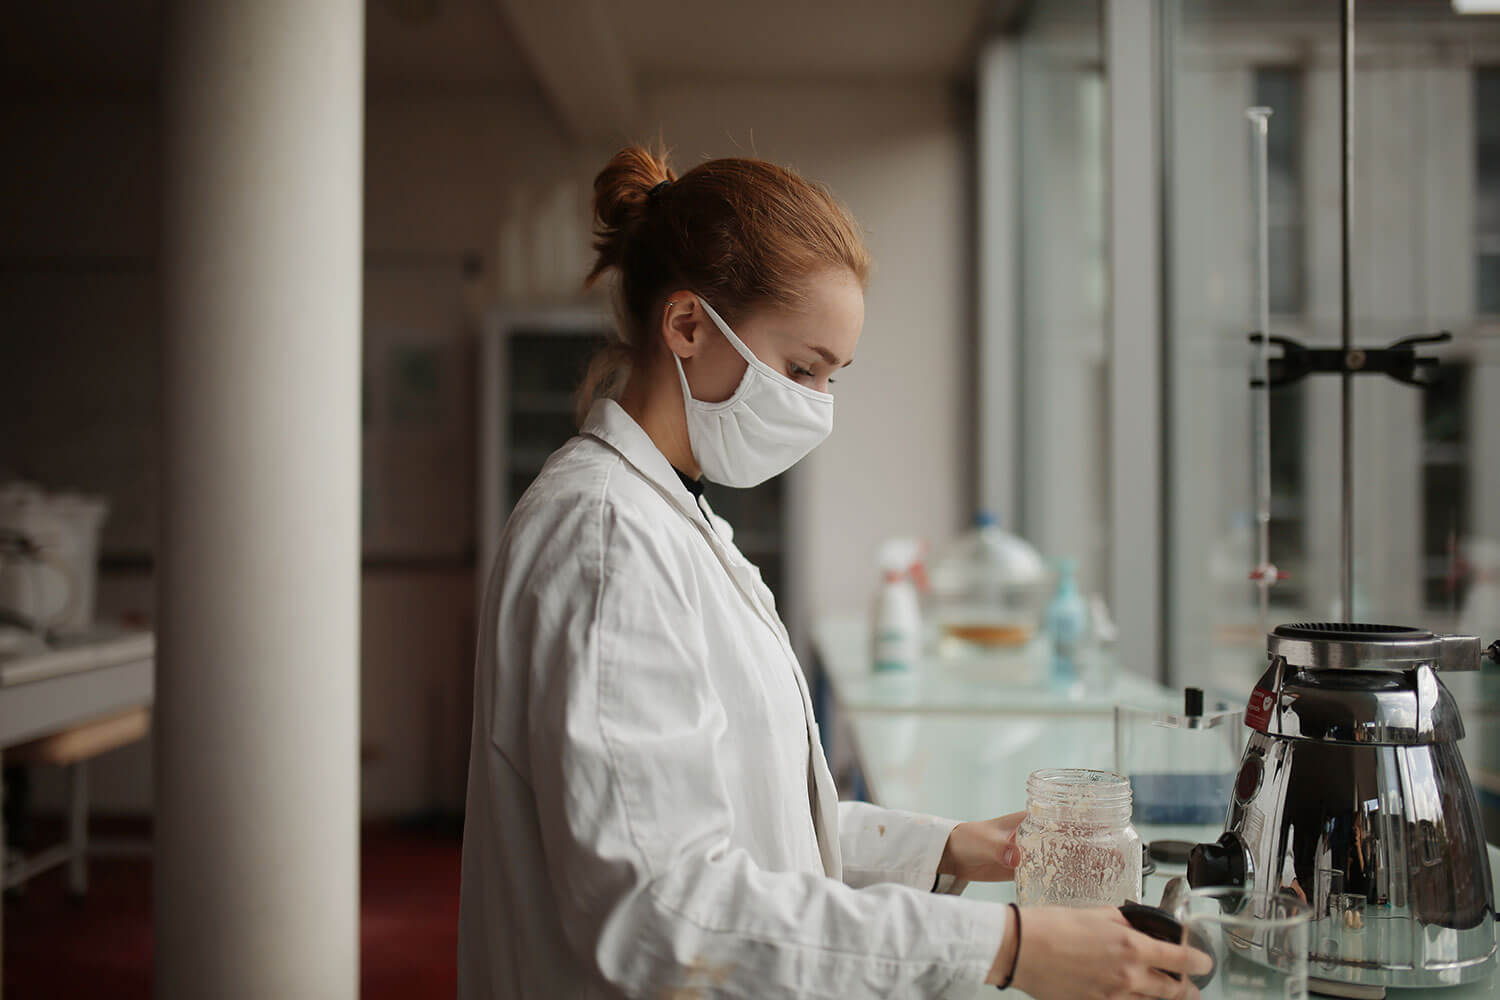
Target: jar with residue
<point>1077,845</point>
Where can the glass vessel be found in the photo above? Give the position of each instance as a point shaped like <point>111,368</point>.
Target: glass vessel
<point>989,592</point>
<point>1259,944</point>
<point>1181,766</point>
<point>1077,845</point>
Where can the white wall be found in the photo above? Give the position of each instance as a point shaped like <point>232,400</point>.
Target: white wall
<point>441,170</point>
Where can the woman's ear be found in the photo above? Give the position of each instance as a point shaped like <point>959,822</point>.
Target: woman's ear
<point>680,320</point>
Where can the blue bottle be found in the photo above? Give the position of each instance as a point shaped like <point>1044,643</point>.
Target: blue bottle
<point>1066,624</point>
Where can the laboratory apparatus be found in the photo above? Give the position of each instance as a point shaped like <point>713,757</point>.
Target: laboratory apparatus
<point>1352,795</point>
<point>1265,574</point>
<point>989,591</point>
<point>1180,766</point>
<point>1258,946</point>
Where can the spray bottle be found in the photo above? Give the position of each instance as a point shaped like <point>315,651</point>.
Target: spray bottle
<point>896,638</point>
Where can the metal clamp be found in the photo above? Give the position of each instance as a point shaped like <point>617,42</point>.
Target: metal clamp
<point>1399,360</point>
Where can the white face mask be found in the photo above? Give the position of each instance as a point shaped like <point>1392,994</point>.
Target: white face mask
<point>765,428</point>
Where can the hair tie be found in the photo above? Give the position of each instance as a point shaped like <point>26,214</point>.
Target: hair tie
<point>656,190</point>
<point>1011,976</point>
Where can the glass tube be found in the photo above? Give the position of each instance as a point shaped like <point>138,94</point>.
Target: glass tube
<point>1264,574</point>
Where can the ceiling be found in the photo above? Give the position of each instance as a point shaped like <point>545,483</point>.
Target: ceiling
<point>85,44</point>
<point>799,38</point>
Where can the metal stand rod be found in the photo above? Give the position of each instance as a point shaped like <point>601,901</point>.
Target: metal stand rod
<point>1346,301</point>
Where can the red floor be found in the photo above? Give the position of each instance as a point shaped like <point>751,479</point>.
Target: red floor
<point>102,946</point>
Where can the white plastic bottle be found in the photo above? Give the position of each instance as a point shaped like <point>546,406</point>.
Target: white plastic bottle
<point>896,623</point>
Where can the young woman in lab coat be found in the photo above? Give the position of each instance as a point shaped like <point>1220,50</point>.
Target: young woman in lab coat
<point>649,810</point>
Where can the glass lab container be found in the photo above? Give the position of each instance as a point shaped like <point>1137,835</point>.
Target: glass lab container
<point>1259,944</point>
<point>989,592</point>
<point>1077,845</point>
<point>1181,768</point>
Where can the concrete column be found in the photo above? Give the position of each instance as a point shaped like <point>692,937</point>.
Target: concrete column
<point>257,794</point>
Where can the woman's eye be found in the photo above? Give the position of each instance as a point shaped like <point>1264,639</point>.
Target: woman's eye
<point>799,372</point>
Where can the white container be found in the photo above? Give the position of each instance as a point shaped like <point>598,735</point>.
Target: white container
<point>896,622</point>
<point>56,588</point>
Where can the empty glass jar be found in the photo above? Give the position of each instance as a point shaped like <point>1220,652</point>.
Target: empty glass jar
<point>1077,845</point>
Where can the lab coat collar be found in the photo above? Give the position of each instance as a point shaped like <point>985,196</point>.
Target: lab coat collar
<point>608,421</point>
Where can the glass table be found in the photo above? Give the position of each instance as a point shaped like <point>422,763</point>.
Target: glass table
<point>1009,683</point>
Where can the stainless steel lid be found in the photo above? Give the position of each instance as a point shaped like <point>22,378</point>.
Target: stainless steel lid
<point>1358,646</point>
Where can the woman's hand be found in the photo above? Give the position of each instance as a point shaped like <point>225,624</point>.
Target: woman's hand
<point>1094,954</point>
<point>984,851</point>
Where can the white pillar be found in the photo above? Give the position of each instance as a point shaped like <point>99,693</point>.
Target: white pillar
<point>256,875</point>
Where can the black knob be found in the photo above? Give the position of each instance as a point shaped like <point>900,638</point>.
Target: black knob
<point>1219,863</point>
<point>1192,702</point>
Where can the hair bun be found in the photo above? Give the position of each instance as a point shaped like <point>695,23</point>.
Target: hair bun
<point>622,191</point>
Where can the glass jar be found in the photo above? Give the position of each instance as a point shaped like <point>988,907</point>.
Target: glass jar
<point>989,591</point>
<point>1077,845</point>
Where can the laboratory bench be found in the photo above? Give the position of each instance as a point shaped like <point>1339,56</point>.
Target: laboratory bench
<point>959,743</point>
<point>974,767</point>
<point>81,696</point>
<point>1008,683</point>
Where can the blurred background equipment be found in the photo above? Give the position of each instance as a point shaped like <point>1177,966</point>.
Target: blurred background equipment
<point>989,591</point>
<point>49,557</point>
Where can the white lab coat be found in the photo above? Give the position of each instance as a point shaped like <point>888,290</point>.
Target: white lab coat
<point>649,810</point>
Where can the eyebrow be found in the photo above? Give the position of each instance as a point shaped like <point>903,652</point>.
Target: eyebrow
<point>831,358</point>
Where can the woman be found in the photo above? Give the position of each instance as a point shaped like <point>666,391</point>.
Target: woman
<point>649,810</point>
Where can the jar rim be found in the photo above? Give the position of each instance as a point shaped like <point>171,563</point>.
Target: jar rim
<point>1101,787</point>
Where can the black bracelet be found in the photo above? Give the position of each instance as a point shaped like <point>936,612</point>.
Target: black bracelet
<point>1016,960</point>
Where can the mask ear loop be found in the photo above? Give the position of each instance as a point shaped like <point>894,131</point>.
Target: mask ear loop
<point>753,364</point>
<point>742,348</point>
<point>757,364</point>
